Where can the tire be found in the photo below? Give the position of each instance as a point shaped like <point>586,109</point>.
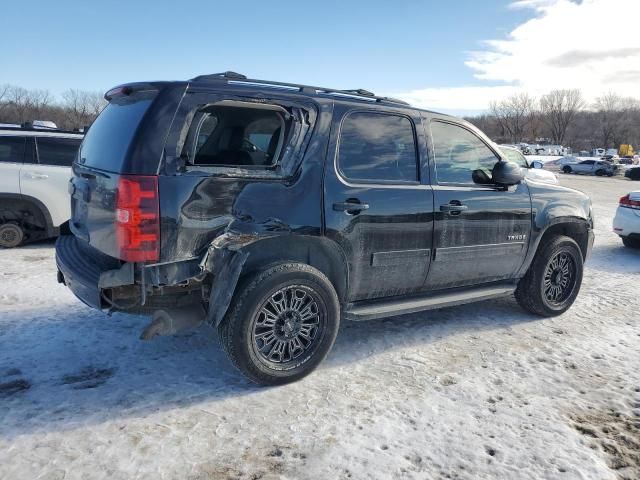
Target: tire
<point>567,169</point>
<point>531,293</point>
<point>11,235</point>
<point>631,242</point>
<point>599,173</point>
<point>264,353</point>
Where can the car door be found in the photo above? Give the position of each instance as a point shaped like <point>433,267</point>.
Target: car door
<point>481,229</point>
<point>586,166</point>
<point>47,178</point>
<point>11,158</point>
<point>378,206</point>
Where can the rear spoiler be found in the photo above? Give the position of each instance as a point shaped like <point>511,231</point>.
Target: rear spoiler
<point>131,88</point>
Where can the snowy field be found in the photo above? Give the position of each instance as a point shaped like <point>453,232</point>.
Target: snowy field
<point>469,392</point>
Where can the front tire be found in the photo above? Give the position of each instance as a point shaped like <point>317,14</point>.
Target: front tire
<point>566,169</point>
<point>281,324</point>
<point>553,280</point>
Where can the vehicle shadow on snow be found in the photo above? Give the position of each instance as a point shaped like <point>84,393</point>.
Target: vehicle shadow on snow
<point>69,365</point>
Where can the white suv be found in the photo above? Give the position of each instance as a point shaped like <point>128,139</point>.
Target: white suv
<point>35,168</point>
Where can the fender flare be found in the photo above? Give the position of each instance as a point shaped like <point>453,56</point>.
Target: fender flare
<point>232,255</point>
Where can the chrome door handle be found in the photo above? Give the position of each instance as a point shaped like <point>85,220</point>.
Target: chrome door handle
<point>453,208</point>
<point>350,207</point>
<point>36,176</point>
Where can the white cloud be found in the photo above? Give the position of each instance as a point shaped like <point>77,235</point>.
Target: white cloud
<point>593,45</point>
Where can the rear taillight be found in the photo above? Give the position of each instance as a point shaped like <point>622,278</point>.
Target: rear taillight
<point>626,201</point>
<point>138,218</point>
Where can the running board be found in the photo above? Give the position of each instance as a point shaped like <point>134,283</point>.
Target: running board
<point>371,310</point>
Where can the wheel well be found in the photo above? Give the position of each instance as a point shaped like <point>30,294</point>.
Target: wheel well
<point>578,231</point>
<point>316,252</point>
<point>27,211</point>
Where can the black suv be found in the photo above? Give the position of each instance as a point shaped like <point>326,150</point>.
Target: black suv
<point>271,210</point>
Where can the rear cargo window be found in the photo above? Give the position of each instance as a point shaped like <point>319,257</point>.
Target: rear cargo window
<point>107,141</point>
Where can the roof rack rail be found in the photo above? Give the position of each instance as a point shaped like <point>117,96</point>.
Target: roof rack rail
<point>361,91</point>
<point>27,128</point>
<point>212,76</point>
<point>239,79</point>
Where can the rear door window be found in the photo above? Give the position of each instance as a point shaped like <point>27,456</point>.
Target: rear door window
<point>12,149</point>
<point>377,147</point>
<point>57,151</point>
<point>106,143</point>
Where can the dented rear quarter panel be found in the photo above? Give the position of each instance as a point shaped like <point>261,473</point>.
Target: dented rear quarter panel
<point>198,206</point>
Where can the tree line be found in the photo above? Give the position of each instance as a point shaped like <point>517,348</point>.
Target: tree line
<point>563,117</point>
<point>75,109</point>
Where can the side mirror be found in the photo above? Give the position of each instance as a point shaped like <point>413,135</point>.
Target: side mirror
<point>536,164</point>
<point>507,174</point>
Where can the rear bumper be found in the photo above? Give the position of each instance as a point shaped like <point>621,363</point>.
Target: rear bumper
<point>626,222</point>
<point>83,269</point>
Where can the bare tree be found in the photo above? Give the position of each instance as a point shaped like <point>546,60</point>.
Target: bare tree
<point>559,108</point>
<point>82,106</point>
<point>514,115</point>
<point>614,115</point>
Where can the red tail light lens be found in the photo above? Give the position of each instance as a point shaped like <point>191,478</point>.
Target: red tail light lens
<point>627,202</point>
<point>138,218</point>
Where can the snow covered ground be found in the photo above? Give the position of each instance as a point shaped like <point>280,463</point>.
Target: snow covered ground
<point>476,391</point>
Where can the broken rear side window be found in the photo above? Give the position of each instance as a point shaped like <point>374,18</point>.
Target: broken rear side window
<point>233,136</point>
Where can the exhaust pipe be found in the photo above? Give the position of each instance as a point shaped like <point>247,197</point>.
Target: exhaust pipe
<point>170,321</point>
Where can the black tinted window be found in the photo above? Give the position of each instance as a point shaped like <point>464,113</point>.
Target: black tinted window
<point>11,149</point>
<point>376,147</point>
<point>57,151</point>
<point>107,141</point>
<point>460,156</point>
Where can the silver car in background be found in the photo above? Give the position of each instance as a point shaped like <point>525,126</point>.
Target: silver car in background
<point>590,167</point>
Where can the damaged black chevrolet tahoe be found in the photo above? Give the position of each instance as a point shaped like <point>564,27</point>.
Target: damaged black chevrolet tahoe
<point>273,210</point>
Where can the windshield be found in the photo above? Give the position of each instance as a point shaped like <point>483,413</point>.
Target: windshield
<point>515,156</point>
<point>107,141</point>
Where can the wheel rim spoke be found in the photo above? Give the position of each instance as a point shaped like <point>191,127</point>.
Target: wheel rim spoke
<point>287,325</point>
<point>558,280</point>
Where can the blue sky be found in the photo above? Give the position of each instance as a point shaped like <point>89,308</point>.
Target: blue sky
<point>421,50</point>
<point>379,45</point>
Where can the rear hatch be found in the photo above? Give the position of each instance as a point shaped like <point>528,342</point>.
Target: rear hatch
<point>114,190</point>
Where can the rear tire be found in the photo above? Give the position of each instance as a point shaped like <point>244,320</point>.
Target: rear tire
<point>631,242</point>
<point>553,280</point>
<point>281,324</point>
<point>11,235</point>
<point>599,173</point>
